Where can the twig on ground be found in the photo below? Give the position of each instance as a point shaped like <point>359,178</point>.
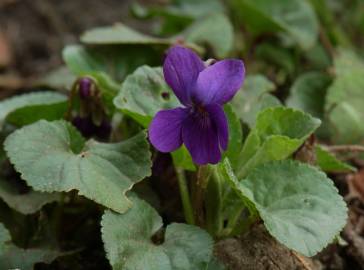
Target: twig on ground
<point>345,148</point>
<point>302,260</point>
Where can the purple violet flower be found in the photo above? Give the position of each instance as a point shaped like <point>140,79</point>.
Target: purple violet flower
<point>201,124</point>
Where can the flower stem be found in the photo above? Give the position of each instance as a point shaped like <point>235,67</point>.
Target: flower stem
<point>185,196</point>
<point>213,203</point>
<point>199,194</point>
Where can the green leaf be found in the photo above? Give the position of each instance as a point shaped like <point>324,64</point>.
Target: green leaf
<point>254,97</point>
<point>294,17</point>
<point>177,15</point>
<point>182,159</point>
<point>129,245</point>
<point>285,122</point>
<point>344,101</point>
<point>52,156</point>
<point>329,163</point>
<point>146,82</point>
<point>120,34</point>
<point>299,205</point>
<point>30,114</point>
<point>12,257</point>
<point>235,135</point>
<point>346,61</point>
<point>27,203</point>
<point>113,62</point>
<point>308,93</point>
<point>59,78</point>
<point>318,56</point>
<point>277,134</point>
<point>220,37</point>
<point>276,55</point>
<point>27,108</point>
<point>105,66</point>
<point>194,9</point>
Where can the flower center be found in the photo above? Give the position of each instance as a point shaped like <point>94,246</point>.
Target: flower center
<point>201,115</point>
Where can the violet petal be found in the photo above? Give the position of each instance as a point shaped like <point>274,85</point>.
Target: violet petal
<point>181,69</point>
<point>218,117</point>
<point>165,129</point>
<point>201,136</point>
<point>220,82</point>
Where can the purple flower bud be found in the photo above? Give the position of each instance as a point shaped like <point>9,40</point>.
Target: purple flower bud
<point>88,128</point>
<point>84,125</point>
<point>85,87</point>
<point>104,130</point>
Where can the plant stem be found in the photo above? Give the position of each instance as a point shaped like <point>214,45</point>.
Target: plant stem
<point>213,203</point>
<point>199,194</point>
<point>233,220</point>
<point>185,196</point>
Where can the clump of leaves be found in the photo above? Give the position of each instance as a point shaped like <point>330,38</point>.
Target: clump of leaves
<point>93,154</point>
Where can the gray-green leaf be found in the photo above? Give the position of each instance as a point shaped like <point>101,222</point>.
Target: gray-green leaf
<point>299,205</point>
<point>253,98</point>
<point>129,246</point>
<point>52,156</point>
<point>220,37</point>
<point>308,93</point>
<point>235,135</point>
<point>277,134</point>
<point>294,17</point>
<point>120,34</point>
<point>27,108</point>
<point>329,163</point>
<point>13,257</point>
<point>344,100</point>
<point>146,82</point>
<point>27,203</point>
<point>113,62</point>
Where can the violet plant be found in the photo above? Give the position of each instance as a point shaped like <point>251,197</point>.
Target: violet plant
<point>104,137</point>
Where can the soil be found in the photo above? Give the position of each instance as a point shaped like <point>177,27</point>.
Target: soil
<point>32,35</point>
<point>258,250</point>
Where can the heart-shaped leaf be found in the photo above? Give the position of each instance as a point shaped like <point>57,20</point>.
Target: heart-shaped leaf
<point>27,203</point>
<point>299,205</point>
<point>254,97</point>
<point>112,62</point>
<point>120,34</point>
<point>128,240</point>
<point>294,17</point>
<point>308,94</point>
<point>235,135</point>
<point>28,108</point>
<point>344,106</point>
<point>277,134</point>
<point>149,83</point>
<point>13,257</point>
<point>52,156</point>
<point>329,163</point>
<point>220,37</point>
